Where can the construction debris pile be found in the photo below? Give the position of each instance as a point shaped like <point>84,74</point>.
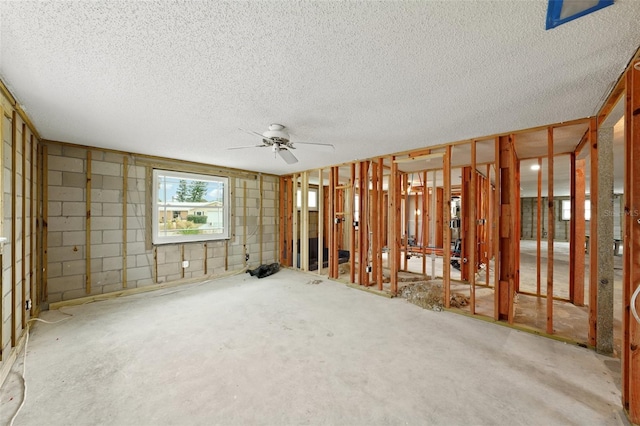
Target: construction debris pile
<point>459,300</point>
<point>430,295</point>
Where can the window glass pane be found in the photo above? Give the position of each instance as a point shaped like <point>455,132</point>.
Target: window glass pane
<point>312,199</point>
<point>566,209</point>
<point>189,207</point>
<point>587,210</point>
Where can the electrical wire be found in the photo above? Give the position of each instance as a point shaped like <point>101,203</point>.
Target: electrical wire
<point>24,361</point>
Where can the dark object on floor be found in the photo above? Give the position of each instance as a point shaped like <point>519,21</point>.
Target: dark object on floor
<point>264,270</point>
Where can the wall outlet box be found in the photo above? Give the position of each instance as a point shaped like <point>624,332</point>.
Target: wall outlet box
<point>27,304</point>
<point>185,263</point>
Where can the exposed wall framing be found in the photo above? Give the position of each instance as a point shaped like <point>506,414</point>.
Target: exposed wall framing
<point>19,178</point>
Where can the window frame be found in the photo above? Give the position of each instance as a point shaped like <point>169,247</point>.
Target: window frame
<point>158,239</point>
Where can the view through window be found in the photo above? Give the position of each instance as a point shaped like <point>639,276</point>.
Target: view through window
<point>189,207</point>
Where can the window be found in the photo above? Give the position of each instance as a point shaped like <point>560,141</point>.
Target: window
<point>566,210</point>
<point>587,210</point>
<point>189,207</point>
<point>312,198</point>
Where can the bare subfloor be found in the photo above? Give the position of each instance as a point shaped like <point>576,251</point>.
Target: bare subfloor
<point>288,350</point>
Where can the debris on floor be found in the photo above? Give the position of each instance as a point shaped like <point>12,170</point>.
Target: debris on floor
<point>459,300</point>
<point>264,270</point>
<point>314,282</point>
<point>426,294</point>
<point>344,268</point>
<point>430,295</point>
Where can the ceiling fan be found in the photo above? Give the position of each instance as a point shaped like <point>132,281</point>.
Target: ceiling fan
<point>278,139</point>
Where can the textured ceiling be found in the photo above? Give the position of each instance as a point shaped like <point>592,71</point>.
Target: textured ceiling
<point>178,79</point>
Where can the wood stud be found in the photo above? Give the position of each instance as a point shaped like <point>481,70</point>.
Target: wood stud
<point>593,241</point>
<point>321,221</point>
<point>394,227</point>
<point>446,257</point>
<point>473,227</point>
<point>539,230</point>
<point>426,216</point>
<point>550,230</point>
<point>577,238</point>
<point>260,217</point>
<point>304,221</point>
<point>45,223</point>
<point>88,225</point>
<point>14,230</point>
<point>353,235</point>
<point>32,214</point>
<point>381,222</point>
<point>631,251</point>
<point>293,206</point>
<point>125,190</point>
<point>24,226</point>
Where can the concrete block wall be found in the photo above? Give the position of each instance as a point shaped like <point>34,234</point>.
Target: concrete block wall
<point>528,219</point>
<point>146,264</point>
<point>251,226</point>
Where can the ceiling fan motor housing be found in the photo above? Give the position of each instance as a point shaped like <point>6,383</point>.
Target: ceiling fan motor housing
<point>277,133</point>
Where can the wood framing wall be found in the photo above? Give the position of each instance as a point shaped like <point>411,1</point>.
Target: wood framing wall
<point>21,293</point>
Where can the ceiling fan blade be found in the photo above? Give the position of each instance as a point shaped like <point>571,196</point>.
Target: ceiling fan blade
<point>251,132</point>
<point>325,147</point>
<point>247,146</point>
<point>287,156</point>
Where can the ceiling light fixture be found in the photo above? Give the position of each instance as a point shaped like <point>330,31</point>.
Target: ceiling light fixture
<point>535,167</point>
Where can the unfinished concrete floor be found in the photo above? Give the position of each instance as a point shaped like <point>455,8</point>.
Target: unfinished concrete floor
<point>285,350</point>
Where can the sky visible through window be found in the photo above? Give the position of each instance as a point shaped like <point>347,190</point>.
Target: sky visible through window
<point>170,187</point>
